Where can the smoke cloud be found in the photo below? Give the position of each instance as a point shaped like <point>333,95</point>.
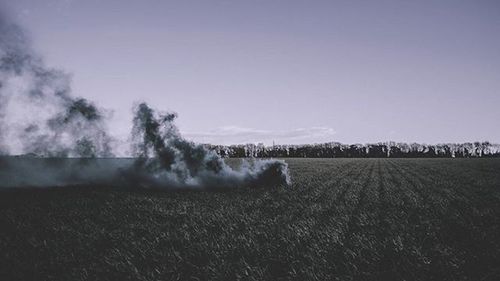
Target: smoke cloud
<point>40,118</point>
<point>164,158</point>
<point>38,115</point>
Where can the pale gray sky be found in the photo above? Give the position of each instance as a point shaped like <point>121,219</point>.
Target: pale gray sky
<point>289,71</point>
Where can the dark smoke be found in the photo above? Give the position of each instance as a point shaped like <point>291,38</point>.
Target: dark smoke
<point>40,118</point>
<point>165,159</point>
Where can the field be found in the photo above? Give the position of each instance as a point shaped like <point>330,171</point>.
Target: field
<point>343,219</point>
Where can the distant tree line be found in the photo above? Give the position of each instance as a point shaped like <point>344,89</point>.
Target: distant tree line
<point>375,150</point>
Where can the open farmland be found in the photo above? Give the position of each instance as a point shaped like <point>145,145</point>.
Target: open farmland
<point>343,219</point>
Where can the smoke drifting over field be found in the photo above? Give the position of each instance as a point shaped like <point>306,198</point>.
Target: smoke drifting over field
<point>39,117</point>
<point>165,158</point>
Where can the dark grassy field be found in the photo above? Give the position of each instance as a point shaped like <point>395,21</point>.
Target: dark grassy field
<point>344,219</point>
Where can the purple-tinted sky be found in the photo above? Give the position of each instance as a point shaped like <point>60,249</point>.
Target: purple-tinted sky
<point>289,71</point>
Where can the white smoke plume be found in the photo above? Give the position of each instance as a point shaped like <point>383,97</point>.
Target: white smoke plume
<point>38,114</point>
<point>40,118</point>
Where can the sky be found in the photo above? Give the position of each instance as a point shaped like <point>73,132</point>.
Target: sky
<point>282,71</point>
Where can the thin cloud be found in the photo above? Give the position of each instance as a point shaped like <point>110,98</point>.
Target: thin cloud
<point>240,135</point>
